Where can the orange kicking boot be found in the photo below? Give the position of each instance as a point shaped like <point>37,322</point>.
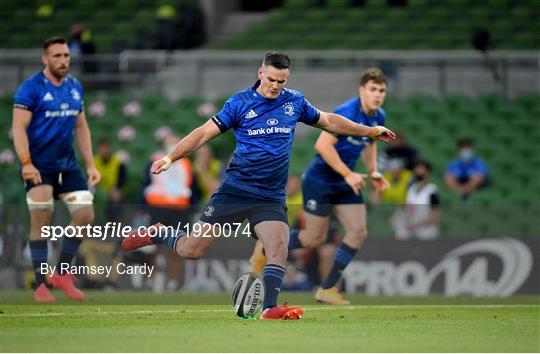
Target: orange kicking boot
<point>42,294</point>
<point>282,312</point>
<point>138,239</point>
<point>65,282</point>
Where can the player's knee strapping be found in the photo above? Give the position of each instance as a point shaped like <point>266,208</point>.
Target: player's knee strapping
<point>78,199</point>
<point>34,205</point>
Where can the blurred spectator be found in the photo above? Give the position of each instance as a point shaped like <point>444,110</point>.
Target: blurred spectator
<point>165,15</point>
<point>400,149</point>
<point>468,172</point>
<point>399,178</point>
<point>80,43</point>
<point>113,178</point>
<point>75,41</point>
<point>207,169</point>
<point>423,211</point>
<point>44,11</point>
<point>179,28</point>
<point>191,27</point>
<point>169,197</point>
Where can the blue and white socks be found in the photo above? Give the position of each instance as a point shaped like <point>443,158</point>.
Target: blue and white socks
<point>342,258</point>
<point>272,275</point>
<point>39,253</point>
<point>294,241</point>
<point>169,237</point>
<point>70,246</point>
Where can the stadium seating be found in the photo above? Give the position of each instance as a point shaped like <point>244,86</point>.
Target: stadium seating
<point>299,24</point>
<point>114,24</point>
<point>422,24</point>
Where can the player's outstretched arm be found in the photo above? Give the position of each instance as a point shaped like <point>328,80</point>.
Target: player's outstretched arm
<point>84,144</point>
<point>334,123</point>
<point>186,146</point>
<point>21,120</point>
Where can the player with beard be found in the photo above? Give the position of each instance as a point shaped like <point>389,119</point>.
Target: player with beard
<point>48,114</point>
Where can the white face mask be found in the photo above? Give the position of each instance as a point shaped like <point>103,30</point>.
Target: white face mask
<point>394,164</point>
<point>466,154</point>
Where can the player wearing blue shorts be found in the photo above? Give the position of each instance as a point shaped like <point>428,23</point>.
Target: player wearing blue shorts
<point>48,111</point>
<point>263,119</point>
<point>330,184</point>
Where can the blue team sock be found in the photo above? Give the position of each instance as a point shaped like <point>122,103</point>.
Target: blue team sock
<point>342,258</point>
<point>39,253</point>
<point>169,237</point>
<point>70,246</point>
<point>294,241</point>
<point>273,279</point>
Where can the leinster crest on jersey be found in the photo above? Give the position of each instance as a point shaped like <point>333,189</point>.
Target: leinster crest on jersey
<point>75,95</point>
<point>288,109</point>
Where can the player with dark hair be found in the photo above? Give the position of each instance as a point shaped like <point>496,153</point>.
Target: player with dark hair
<point>263,118</point>
<point>48,110</point>
<point>330,185</point>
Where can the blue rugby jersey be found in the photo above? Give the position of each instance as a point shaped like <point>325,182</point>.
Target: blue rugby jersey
<point>54,114</point>
<point>349,148</point>
<point>264,130</point>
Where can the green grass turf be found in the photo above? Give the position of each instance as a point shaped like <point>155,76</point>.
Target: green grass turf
<point>142,322</point>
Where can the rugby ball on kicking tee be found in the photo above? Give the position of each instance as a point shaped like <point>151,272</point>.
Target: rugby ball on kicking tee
<point>248,295</point>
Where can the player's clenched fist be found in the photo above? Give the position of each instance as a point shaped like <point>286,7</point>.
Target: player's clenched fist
<point>356,181</point>
<point>30,173</point>
<point>382,133</point>
<point>93,175</point>
<point>161,165</point>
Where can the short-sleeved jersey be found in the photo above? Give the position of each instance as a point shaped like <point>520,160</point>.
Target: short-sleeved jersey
<point>54,114</point>
<point>349,148</point>
<point>264,130</point>
<point>462,170</point>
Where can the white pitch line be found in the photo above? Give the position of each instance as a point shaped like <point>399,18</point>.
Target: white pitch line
<point>307,308</point>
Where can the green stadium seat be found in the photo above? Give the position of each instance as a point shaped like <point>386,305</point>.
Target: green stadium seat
<point>65,16</point>
<point>104,16</point>
<point>355,17</point>
<point>299,4</point>
<point>356,41</point>
<point>144,16</point>
<point>22,17</point>
<point>398,17</point>
<point>87,7</point>
<point>399,41</point>
<point>524,41</point>
<point>478,16</point>
<point>277,17</point>
<point>126,8</point>
<point>238,43</point>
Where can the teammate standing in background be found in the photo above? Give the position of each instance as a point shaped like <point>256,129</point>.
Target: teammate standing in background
<point>48,110</point>
<point>330,184</point>
<point>264,119</point>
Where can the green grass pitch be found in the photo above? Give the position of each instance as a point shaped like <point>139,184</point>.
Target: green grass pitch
<point>142,322</point>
